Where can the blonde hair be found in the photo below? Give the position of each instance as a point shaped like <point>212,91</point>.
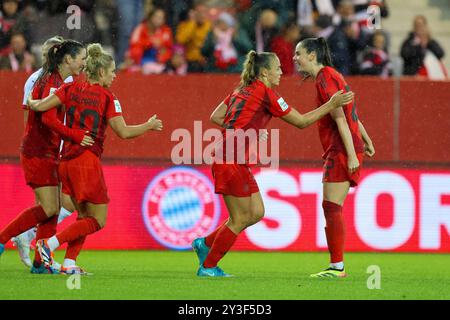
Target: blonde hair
<point>97,59</point>
<point>253,64</point>
<point>52,41</point>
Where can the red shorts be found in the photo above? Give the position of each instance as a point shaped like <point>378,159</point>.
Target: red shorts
<point>39,172</point>
<point>336,169</point>
<point>82,178</point>
<point>234,179</point>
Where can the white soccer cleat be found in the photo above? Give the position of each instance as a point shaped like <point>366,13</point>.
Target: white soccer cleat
<point>23,244</point>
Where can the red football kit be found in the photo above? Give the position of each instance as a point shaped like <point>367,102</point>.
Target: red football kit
<point>89,107</point>
<point>41,141</point>
<point>328,82</point>
<point>248,108</point>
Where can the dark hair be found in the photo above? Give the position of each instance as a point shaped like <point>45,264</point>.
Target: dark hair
<point>252,66</point>
<point>320,47</point>
<point>56,54</point>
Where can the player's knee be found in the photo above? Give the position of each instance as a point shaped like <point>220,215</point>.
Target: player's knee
<point>239,223</point>
<point>101,223</point>
<point>50,209</point>
<point>257,215</point>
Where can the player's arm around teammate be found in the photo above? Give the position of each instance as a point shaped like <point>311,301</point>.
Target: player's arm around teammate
<point>80,169</point>
<point>255,96</point>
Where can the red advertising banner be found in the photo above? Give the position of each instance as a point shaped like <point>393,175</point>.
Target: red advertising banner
<point>166,207</point>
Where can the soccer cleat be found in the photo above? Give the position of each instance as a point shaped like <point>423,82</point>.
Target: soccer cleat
<point>330,273</point>
<point>22,243</point>
<point>41,269</point>
<point>56,266</point>
<point>201,249</point>
<point>211,272</point>
<point>45,253</point>
<point>74,270</point>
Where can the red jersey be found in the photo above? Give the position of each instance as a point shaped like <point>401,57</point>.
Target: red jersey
<point>39,140</point>
<point>251,107</point>
<point>328,82</point>
<point>89,107</point>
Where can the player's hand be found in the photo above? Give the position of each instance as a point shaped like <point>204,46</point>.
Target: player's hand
<point>87,140</point>
<point>353,164</point>
<point>30,104</point>
<point>340,99</point>
<point>263,135</point>
<point>369,149</point>
<point>155,123</point>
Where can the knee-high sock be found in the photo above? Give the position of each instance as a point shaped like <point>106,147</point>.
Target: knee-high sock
<point>223,242</point>
<point>334,230</point>
<point>210,238</point>
<point>25,220</point>
<point>45,230</point>
<point>74,247</point>
<point>76,230</point>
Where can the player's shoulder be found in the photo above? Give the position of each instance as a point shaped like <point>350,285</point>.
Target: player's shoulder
<point>332,73</point>
<point>34,76</point>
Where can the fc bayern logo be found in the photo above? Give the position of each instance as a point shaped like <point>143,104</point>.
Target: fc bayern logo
<point>180,205</point>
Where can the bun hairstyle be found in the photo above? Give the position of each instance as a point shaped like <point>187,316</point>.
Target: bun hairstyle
<point>97,59</point>
<point>253,64</point>
<point>57,53</point>
<point>320,47</point>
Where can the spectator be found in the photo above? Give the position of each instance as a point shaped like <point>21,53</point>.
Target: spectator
<point>376,59</point>
<point>264,30</point>
<point>54,13</point>
<point>192,35</point>
<point>11,21</point>
<point>130,15</point>
<point>337,42</point>
<point>421,53</point>
<point>17,57</point>
<point>357,38</point>
<point>177,65</point>
<point>226,45</point>
<point>284,44</point>
<point>151,43</point>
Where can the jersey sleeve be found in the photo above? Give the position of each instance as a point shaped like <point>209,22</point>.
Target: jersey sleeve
<point>277,106</point>
<point>50,119</point>
<point>62,92</point>
<point>113,107</point>
<point>27,89</point>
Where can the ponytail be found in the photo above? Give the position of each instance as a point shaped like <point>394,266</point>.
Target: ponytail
<point>56,54</point>
<point>326,55</point>
<point>252,66</point>
<point>320,47</point>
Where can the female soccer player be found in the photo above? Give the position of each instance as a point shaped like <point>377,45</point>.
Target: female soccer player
<point>344,141</point>
<point>92,106</point>
<point>40,148</point>
<point>249,107</point>
<point>23,241</point>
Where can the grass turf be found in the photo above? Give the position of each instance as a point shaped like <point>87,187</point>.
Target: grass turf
<point>279,276</point>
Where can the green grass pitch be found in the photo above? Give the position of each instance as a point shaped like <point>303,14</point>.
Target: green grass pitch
<point>167,275</point>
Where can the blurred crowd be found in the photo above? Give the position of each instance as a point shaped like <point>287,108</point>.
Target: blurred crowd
<point>183,36</point>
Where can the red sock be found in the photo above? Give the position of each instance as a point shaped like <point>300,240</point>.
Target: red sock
<point>45,230</point>
<point>210,239</point>
<point>225,239</point>
<point>334,230</point>
<point>78,229</point>
<point>74,247</point>
<point>26,220</point>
